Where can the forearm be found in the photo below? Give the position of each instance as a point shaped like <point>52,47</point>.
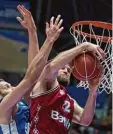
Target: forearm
<point>66,57</point>
<point>89,109</point>
<point>38,63</point>
<point>44,53</point>
<point>33,47</point>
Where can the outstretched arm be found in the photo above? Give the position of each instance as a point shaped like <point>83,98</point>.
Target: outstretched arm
<point>65,57</point>
<point>28,23</point>
<point>33,48</point>
<point>35,68</point>
<point>85,116</point>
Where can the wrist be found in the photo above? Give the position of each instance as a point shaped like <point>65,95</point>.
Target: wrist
<point>83,46</point>
<point>32,30</point>
<point>93,91</point>
<point>48,40</point>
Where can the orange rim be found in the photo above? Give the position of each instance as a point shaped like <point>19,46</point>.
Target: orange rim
<point>98,24</point>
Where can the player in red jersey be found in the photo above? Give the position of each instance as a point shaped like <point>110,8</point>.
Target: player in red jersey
<point>52,109</point>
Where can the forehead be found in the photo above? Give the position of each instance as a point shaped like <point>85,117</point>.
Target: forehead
<point>66,66</point>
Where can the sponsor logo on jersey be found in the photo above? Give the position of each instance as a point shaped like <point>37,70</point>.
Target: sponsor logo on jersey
<point>56,116</point>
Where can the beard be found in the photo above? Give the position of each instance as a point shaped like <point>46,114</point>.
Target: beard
<point>63,81</point>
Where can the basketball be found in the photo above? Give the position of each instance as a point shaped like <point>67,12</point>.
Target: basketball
<point>86,66</point>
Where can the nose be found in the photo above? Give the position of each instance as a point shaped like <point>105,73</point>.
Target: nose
<point>65,71</point>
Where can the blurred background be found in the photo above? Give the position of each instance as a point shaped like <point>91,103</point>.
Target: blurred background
<point>14,44</point>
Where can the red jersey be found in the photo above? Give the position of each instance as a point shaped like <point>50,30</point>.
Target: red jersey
<point>51,112</point>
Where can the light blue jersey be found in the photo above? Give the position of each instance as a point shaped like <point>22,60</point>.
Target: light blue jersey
<point>9,129</point>
<point>20,125</point>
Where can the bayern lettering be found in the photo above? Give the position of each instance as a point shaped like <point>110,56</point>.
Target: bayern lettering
<point>56,116</point>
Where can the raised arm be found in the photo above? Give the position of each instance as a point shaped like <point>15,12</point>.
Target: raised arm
<point>65,57</point>
<point>53,31</point>
<point>85,116</point>
<point>33,72</point>
<point>28,23</point>
<point>33,48</point>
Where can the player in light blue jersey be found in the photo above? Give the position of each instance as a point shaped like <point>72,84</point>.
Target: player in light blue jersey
<point>20,122</point>
<point>14,114</point>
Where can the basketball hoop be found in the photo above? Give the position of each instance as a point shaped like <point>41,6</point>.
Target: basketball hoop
<point>99,33</point>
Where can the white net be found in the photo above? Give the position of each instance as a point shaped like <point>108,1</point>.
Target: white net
<point>88,33</point>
